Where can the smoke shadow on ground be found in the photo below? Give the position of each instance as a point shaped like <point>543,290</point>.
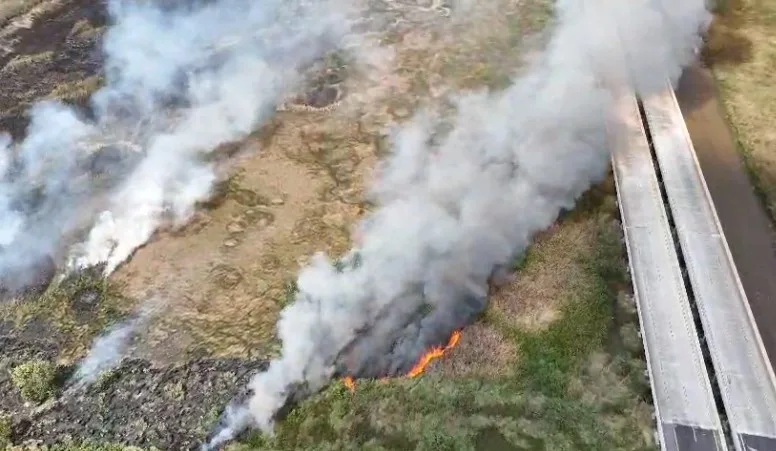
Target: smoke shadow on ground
<point>725,44</point>
<point>693,91</point>
<point>28,281</point>
<point>63,374</point>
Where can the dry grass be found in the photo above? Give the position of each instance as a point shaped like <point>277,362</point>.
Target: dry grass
<point>12,8</point>
<point>18,16</point>
<point>742,51</point>
<point>83,29</point>
<point>534,298</point>
<point>77,91</point>
<point>550,273</point>
<point>22,61</point>
<point>483,351</point>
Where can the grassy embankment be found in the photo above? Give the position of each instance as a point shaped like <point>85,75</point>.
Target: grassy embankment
<point>741,50</point>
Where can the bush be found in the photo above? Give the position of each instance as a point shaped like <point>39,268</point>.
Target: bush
<point>35,379</point>
<point>5,430</point>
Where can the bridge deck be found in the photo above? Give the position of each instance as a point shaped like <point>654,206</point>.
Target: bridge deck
<point>686,413</point>
<point>742,369</point>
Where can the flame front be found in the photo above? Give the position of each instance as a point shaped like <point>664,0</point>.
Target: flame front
<point>433,354</point>
<point>420,366</point>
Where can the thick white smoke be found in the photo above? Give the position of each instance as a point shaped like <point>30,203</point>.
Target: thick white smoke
<point>452,209</point>
<point>179,81</point>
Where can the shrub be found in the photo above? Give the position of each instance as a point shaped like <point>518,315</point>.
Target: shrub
<point>35,379</point>
<point>5,430</point>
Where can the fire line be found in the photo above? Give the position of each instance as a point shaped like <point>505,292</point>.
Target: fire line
<point>420,367</point>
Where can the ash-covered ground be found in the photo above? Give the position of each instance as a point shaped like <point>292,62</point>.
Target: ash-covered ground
<point>136,403</point>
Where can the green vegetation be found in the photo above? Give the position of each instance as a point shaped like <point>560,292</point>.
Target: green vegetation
<point>106,378</point>
<point>36,379</point>
<point>175,391</point>
<point>79,307</point>
<point>572,387</point>
<point>77,91</point>
<point>741,50</point>
<point>289,294</point>
<point>24,61</point>
<point>88,446</point>
<point>95,447</point>
<point>549,356</point>
<point>5,430</point>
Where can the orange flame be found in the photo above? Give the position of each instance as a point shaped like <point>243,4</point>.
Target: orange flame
<point>420,366</point>
<point>433,354</point>
<point>349,382</point>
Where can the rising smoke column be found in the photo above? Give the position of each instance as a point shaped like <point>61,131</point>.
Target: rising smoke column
<point>237,88</point>
<point>448,214</point>
<point>179,81</point>
<point>109,349</point>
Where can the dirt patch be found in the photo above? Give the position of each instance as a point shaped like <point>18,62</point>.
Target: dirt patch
<point>223,277</point>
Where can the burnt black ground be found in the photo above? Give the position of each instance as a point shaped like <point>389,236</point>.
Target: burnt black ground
<point>168,408</point>
<point>74,58</point>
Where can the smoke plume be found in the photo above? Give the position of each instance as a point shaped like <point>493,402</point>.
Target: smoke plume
<point>452,209</point>
<point>179,81</point>
<point>109,349</point>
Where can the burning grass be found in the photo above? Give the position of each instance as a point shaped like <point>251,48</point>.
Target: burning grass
<point>540,370</point>
<point>423,362</point>
<point>569,385</point>
<point>742,51</point>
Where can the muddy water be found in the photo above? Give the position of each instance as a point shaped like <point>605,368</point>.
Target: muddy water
<point>745,223</point>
